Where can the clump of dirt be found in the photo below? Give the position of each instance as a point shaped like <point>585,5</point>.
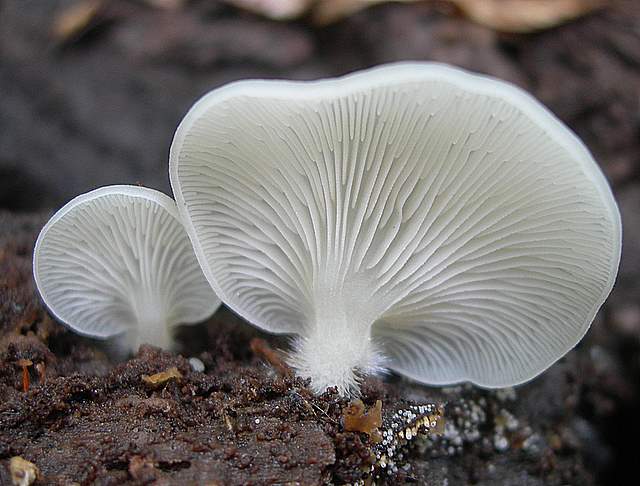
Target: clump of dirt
<point>154,418</point>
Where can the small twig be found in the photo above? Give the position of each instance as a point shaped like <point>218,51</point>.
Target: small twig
<point>41,369</point>
<point>311,406</point>
<point>159,379</point>
<point>261,348</point>
<point>25,363</point>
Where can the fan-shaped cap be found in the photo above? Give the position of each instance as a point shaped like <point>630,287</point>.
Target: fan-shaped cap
<point>444,220</point>
<point>118,260</point>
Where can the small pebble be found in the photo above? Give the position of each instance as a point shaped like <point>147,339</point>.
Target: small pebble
<point>500,443</point>
<point>196,364</point>
<point>23,472</point>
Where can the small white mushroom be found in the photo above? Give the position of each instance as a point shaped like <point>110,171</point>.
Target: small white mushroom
<point>414,216</point>
<point>117,260</point>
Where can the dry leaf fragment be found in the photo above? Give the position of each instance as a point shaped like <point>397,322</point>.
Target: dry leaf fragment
<point>75,19</point>
<point>329,11</point>
<point>519,16</point>
<point>160,378</point>
<point>522,16</point>
<point>357,420</point>
<point>23,472</point>
<point>274,9</point>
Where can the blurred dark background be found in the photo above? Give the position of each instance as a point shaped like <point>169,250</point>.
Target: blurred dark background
<point>91,92</point>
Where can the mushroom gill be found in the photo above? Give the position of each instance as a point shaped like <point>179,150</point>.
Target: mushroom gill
<point>117,261</point>
<point>413,216</point>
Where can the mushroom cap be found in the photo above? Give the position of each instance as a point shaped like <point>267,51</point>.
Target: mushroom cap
<point>452,212</point>
<point>118,258</point>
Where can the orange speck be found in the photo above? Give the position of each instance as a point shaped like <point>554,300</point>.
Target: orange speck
<point>357,420</point>
<point>25,363</point>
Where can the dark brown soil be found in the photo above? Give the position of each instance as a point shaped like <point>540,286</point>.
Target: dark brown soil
<point>101,108</point>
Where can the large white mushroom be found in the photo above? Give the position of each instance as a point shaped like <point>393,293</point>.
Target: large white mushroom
<point>117,260</point>
<point>413,216</point>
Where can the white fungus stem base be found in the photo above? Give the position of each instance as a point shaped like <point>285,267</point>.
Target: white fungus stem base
<point>156,333</point>
<point>336,356</point>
